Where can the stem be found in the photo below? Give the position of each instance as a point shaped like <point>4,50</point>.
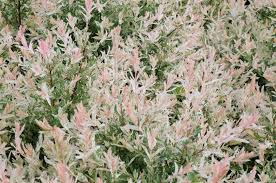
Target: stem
<point>75,88</point>
<point>79,72</point>
<point>51,83</point>
<point>74,93</point>
<point>19,12</point>
<point>113,177</point>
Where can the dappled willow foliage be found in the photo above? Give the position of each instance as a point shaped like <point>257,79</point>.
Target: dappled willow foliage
<point>137,91</point>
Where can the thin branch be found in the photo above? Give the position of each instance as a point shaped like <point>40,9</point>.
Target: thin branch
<point>19,12</point>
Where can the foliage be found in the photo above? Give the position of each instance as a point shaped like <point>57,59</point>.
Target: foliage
<point>137,91</point>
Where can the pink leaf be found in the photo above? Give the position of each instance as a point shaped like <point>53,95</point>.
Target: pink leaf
<point>99,180</point>
<point>186,169</point>
<point>36,69</point>
<point>43,48</point>
<point>219,169</point>
<point>262,148</point>
<point>112,162</point>
<point>73,83</point>
<point>151,136</point>
<point>44,93</point>
<point>44,125</point>
<point>3,173</point>
<point>76,55</point>
<point>63,174</point>
<point>80,116</point>
<point>88,6</point>
<point>249,120</point>
<point>21,37</point>
<point>244,156</point>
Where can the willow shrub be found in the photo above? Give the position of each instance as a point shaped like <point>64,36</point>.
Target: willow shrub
<point>137,91</point>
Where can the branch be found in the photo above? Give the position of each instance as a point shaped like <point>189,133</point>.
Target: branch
<point>19,12</point>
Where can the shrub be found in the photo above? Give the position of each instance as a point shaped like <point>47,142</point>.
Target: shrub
<point>137,91</point>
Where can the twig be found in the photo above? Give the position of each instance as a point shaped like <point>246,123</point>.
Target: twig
<point>19,12</point>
